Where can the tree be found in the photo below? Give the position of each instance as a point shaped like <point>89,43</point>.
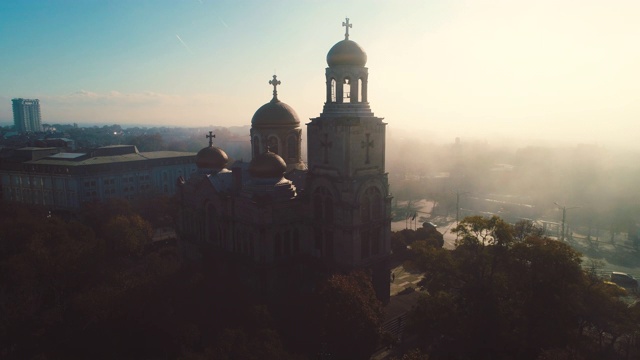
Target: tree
<point>514,297</point>
<point>351,315</point>
<point>127,235</point>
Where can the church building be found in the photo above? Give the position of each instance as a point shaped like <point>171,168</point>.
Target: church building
<point>335,209</point>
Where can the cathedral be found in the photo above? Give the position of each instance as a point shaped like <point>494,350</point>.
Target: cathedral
<point>334,209</point>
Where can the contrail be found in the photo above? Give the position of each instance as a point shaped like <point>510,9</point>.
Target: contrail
<point>185,45</point>
<point>223,23</point>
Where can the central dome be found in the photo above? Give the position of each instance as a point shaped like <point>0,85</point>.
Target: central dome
<point>346,52</point>
<point>276,113</point>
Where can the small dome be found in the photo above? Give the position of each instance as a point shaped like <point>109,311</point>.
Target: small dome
<point>267,165</point>
<point>346,52</point>
<point>275,112</point>
<point>211,158</point>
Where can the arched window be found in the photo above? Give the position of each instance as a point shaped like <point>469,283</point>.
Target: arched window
<point>371,205</point>
<point>323,214</point>
<point>371,212</point>
<point>328,209</point>
<point>292,147</point>
<point>346,90</point>
<point>375,241</point>
<point>256,146</point>
<point>334,95</point>
<point>376,205</point>
<point>323,205</point>
<point>272,142</point>
<point>360,90</point>
<point>365,209</point>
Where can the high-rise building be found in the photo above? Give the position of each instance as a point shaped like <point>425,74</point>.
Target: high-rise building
<point>26,115</point>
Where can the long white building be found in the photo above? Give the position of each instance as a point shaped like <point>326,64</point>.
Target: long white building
<point>57,180</point>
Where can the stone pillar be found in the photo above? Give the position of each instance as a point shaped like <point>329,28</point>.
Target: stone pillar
<point>354,91</point>
<point>364,90</point>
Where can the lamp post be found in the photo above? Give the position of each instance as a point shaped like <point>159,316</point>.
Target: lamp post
<point>564,215</point>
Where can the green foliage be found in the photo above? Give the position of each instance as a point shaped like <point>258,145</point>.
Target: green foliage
<point>351,315</point>
<point>427,235</point>
<point>505,297</point>
<point>127,235</point>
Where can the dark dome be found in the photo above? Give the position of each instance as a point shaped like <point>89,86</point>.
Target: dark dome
<point>267,165</point>
<point>275,112</point>
<point>346,52</point>
<point>211,158</point>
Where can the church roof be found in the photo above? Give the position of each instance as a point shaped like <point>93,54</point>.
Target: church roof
<point>275,113</point>
<point>211,157</point>
<point>267,165</point>
<point>346,52</point>
<point>222,181</point>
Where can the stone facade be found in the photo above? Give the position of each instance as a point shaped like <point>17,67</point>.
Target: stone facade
<point>64,181</point>
<point>335,210</point>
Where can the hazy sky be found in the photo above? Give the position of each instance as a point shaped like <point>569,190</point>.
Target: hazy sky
<point>490,69</point>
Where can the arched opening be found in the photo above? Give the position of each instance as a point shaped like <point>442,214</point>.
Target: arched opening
<point>360,90</point>
<point>333,91</point>
<point>365,209</point>
<point>323,205</point>
<point>346,90</point>
<point>272,143</point>
<point>371,212</point>
<point>292,147</point>
<point>323,214</point>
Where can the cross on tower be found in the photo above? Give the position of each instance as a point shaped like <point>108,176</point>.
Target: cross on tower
<point>347,26</point>
<point>326,145</point>
<point>210,137</point>
<point>275,82</point>
<point>367,144</point>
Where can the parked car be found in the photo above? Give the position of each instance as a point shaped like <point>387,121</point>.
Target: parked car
<point>624,280</point>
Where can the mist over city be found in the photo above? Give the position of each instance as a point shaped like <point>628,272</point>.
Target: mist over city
<point>275,180</point>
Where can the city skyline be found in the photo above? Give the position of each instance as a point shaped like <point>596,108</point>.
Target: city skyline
<point>485,69</point>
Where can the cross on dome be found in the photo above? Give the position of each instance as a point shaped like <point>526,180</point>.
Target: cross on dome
<point>275,82</point>
<point>347,26</point>
<point>210,137</point>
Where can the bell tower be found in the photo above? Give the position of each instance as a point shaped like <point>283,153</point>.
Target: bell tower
<point>347,182</point>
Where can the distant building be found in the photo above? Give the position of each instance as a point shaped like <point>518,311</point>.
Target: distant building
<point>57,180</point>
<point>26,115</point>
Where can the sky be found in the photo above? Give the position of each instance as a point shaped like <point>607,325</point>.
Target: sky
<point>554,71</point>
